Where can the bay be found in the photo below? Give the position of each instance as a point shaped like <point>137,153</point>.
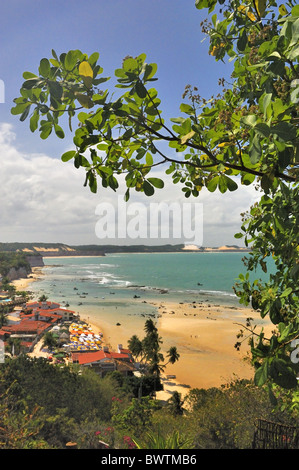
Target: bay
<point>183,292</point>
<point>110,286</point>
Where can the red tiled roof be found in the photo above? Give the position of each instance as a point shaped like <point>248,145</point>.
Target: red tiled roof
<point>88,357</point>
<point>125,351</point>
<point>40,304</point>
<point>116,355</point>
<point>85,358</point>
<point>27,326</point>
<point>26,343</point>
<point>60,309</point>
<point>53,316</point>
<point>48,313</point>
<point>3,332</point>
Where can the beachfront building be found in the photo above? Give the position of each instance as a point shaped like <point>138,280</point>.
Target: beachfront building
<point>104,361</point>
<point>41,315</point>
<point>65,314</point>
<point>29,332</point>
<point>40,310</point>
<point>35,319</point>
<point>45,305</point>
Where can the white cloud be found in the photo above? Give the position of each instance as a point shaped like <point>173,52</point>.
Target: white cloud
<point>43,200</point>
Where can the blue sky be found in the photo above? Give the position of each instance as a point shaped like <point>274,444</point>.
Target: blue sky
<point>169,33</point>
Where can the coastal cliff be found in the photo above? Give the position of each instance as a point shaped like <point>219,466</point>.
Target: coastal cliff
<point>35,261</point>
<point>17,273</point>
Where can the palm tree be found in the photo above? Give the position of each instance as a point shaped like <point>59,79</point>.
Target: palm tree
<point>149,352</point>
<point>3,316</point>
<point>135,346</point>
<point>173,355</point>
<point>43,298</point>
<point>149,326</point>
<point>156,440</point>
<point>15,346</point>
<point>155,366</point>
<point>175,404</point>
<point>49,340</point>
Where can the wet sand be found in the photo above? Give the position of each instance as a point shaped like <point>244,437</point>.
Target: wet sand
<point>204,335</point>
<point>24,283</point>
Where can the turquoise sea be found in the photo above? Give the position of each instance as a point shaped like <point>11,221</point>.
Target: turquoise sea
<point>117,286</point>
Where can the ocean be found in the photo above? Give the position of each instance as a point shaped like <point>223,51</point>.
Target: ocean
<point>117,286</point>
<point>116,293</point>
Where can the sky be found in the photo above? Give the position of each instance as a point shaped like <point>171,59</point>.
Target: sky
<point>43,199</point>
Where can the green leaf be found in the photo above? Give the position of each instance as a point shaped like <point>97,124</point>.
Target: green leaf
<point>266,103</point>
<point>34,121</point>
<point>261,374</point>
<point>263,129</point>
<point>56,89</point>
<point>58,131</point>
<point>25,113</point>
<point>285,331</point>
<point>286,292</point>
<point>140,89</point>
<point>222,184</point>
<point>19,108</point>
<point>149,190</point>
<point>92,181</point>
<point>84,100</point>
<point>255,151</point>
<point>266,182</point>
<point>130,65</point>
<point>187,108</point>
<point>93,58</point>
<point>44,68</point>
<point>71,60</point>
<point>247,179</point>
<point>45,131</point>
<point>282,374</point>
<point>29,75</point>
<point>157,182</point>
<point>212,184</point>
<point>149,159</point>
<point>242,41</point>
<point>285,131</point>
<point>68,155</point>
<point>261,7</point>
<point>149,72</point>
<point>231,184</point>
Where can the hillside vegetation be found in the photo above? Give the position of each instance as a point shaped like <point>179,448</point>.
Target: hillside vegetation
<point>44,405</point>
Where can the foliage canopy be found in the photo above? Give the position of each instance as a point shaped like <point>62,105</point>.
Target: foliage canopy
<point>248,134</point>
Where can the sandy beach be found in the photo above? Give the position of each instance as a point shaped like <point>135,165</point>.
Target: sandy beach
<point>204,335</point>
<point>24,283</point>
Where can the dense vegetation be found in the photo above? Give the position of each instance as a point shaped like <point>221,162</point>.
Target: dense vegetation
<point>82,249</point>
<point>248,134</point>
<point>44,405</point>
<point>13,260</point>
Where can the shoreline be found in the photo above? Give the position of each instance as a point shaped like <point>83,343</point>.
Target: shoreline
<point>23,283</point>
<point>204,335</point>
